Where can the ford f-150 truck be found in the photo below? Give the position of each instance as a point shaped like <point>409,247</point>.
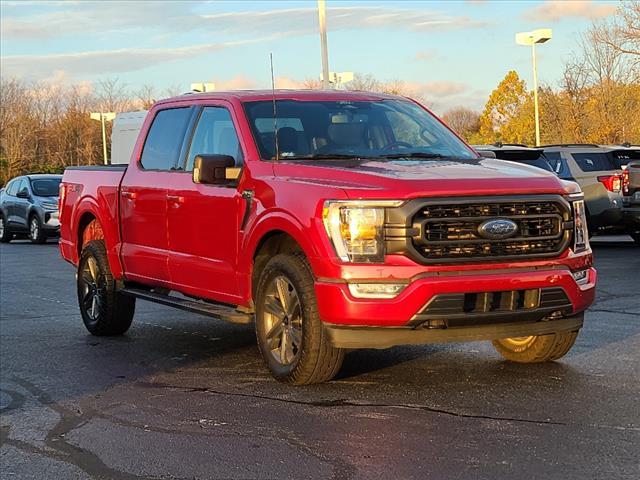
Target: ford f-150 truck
<point>335,220</point>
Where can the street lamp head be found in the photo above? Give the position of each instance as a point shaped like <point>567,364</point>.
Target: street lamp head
<point>540,35</point>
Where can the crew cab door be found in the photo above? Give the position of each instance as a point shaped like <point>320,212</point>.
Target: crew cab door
<point>204,220</point>
<point>143,198</point>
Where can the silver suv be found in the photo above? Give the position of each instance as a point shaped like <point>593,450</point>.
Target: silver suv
<point>598,170</point>
<point>29,207</point>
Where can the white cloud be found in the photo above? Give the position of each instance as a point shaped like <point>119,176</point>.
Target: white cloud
<point>105,62</point>
<point>176,17</point>
<point>555,10</point>
<point>239,82</point>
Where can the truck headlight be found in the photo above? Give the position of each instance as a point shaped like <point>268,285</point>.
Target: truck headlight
<point>580,230</point>
<point>356,229</point>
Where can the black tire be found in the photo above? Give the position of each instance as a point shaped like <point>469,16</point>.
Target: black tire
<point>5,235</point>
<point>636,237</point>
<point>36,234</point>
<point>104,310</point>
<point>536,348</point>
<point>315,360</point>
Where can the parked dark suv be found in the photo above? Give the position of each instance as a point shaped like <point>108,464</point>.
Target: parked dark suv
<point>631,199</point>
<point>598,170</point>
<point>29,207</point>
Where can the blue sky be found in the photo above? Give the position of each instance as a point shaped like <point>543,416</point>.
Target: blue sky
<point>451,53</point>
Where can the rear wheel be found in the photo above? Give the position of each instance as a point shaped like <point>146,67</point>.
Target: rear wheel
<point>36,234</point>
<point>536,348</point>
<point>636,237</point>
<point>293,342</point>
<point>5,235</point>
<point>104,310</point>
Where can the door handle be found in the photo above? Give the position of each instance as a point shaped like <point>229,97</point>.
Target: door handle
<point>129,195</point>
<point>175,199</point>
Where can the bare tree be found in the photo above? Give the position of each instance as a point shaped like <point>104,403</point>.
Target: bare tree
<point>464,121</point>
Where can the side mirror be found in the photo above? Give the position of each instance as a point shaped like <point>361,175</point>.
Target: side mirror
<point>486,153</point>
<point>215,169</point>
<point>24,193</point>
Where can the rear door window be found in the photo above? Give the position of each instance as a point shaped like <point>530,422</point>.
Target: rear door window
<point>12,188</point>
<point>164,140</point>
<point>593,162</point>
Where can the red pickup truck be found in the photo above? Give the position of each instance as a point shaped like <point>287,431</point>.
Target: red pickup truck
<point>334,220</point>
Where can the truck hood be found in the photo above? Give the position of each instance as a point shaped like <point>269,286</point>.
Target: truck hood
<point>429,178</point>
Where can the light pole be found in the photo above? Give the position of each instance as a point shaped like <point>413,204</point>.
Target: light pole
<point>103,117</point>
<point>322,19</point>
<point>541,35</point>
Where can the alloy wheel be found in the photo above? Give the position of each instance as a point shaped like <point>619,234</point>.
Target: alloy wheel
<point>92,295</point>
<point>283,321</point>
<point>34,229</point>
<point>518,342</point>
<point>1,227</point>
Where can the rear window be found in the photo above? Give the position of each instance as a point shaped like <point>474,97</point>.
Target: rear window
<point>164,141</point>
<point>623,157</point>
<point>594,162</point>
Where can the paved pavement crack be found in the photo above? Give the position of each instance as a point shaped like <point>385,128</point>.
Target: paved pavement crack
<point>17,401</point>
<point>55,439</point>
<point>349,403</point>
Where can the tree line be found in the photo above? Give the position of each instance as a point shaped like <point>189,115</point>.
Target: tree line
<point>46,127</point>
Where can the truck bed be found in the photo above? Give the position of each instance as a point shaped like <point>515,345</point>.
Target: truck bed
<point>89,193</point>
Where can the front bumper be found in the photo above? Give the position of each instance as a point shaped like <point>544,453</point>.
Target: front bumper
<point>386,337</point>
<point>339,308</point>
<point>51,222</point>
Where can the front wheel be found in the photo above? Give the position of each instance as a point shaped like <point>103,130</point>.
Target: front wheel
<point>536,348</point>
<point>636,237</point>
<point>5,235</point>
<point>36,234</point>
<point>104,310</point>
<point>291,337</point>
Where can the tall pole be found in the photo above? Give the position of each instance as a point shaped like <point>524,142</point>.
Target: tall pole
<point>322,18</point>
<point>104,138</point>
<point>535,94</point>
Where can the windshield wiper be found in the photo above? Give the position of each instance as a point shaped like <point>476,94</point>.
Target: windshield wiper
<point>413,155</point>
<point>325,156</point>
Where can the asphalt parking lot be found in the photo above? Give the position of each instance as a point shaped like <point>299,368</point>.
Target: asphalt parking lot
<point>184,396</point>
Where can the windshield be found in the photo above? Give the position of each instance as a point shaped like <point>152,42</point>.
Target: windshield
<point>315,130</point>
<point>46,187</point>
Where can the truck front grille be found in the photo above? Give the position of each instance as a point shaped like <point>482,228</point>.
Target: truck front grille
<point>449,232</point>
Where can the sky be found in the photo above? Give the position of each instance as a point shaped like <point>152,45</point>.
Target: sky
<point>451,53</point>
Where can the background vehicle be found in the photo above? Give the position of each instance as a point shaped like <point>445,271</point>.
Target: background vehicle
<point>29,206</point>
<point>631,199</point>
<point>518,153</point>
<point>126,127</point>
<point>598,171</point>
<point>350,220</point>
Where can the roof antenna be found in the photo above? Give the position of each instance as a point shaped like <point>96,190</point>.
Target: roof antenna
<point>275,115</point>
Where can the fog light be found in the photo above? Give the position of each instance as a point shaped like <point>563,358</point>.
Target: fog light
<point>581,277</point>
<point>376,290</point>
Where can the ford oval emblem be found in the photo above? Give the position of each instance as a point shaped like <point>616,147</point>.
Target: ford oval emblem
<point>498,229</point>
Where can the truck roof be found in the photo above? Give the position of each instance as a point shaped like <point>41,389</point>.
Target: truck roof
<point>283,94</point>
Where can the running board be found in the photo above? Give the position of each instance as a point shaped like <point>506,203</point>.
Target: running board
<point>222,312</point>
